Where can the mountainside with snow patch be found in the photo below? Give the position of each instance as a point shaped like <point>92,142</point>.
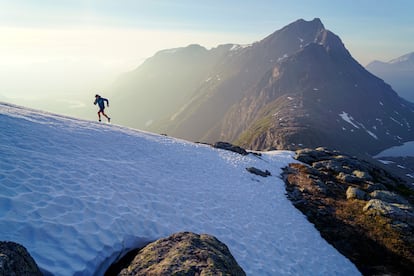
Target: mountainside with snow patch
<point>298,87</point>
<point>321,96</point>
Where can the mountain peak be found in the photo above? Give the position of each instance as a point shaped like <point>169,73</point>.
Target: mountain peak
<point>234,94</point>
<point>331,42</point>
<point>302,25</point>
<point>316,22</point>
<point>300,32</point>
<point>405,58</point>
<point>398,72</point>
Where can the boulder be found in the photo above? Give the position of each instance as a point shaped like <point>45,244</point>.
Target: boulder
<point>347,178</point>
<point>230,147</point>
<point>388,196</point>
<point>309,156</point>
<point>394,211</point>
<point>375,187</point>
<point>332,165</point>
<point>184,253</point>
<point>259,172</point>
<point>362,175</point>
<point>355,193</point>
<point>15,260</point>
<point>351,162</point>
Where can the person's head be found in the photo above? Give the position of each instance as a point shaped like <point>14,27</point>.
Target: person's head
<point>97,96</point>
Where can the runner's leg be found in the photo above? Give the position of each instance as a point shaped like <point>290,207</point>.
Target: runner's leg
<point>103,113</point>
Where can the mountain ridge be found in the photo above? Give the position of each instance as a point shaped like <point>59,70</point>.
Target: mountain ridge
<point>247,68</point>
<point>307,66</point>
<point>323,86</point>
<point>398,72</point>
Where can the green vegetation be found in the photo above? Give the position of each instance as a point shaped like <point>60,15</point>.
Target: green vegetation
<point>260,127</point>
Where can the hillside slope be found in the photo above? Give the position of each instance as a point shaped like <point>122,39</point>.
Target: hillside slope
<point>79,194</point>
<point>298,87</point>
<point>320,96</point>
<point>162,85</point>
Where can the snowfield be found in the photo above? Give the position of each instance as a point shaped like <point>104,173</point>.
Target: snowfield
<point>79,194</point>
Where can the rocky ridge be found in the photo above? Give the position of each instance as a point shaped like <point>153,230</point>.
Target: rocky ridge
<point>361,209</point>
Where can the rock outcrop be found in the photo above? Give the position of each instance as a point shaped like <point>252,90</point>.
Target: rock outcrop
<point>361,209</point>
<point>16,261</point>
<point>259,172</point>
<point>184,253</point>
<point>230,147</point>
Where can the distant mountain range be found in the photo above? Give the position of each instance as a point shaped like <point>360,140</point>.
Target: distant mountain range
<point>298,87</point>
<point>399,72</point>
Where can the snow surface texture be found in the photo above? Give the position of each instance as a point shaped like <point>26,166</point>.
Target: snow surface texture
<point>79,194</point>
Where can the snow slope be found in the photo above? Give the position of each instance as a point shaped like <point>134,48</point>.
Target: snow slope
<point>78,194</point>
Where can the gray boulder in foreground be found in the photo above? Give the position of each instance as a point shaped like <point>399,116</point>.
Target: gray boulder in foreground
<point>355,193</point>
<point>16,261</point>
<point>395,211</point>
<point>184,253</point>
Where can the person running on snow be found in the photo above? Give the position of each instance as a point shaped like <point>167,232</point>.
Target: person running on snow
<point>101,103</point>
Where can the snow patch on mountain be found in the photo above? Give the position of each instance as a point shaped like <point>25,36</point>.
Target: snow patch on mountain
<point>285,56</point>
<point>396,121</point>
<point>79,194</point>
<point>350,120</point>
<point>372,134</point>
<point>347,118</point>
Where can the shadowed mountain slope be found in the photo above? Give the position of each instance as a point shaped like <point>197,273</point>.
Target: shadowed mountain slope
<point>297,87</point>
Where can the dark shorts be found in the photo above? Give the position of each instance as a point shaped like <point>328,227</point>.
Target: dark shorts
<point>101,109</point>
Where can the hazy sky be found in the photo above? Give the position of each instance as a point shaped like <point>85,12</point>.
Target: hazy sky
<point>65,47</point>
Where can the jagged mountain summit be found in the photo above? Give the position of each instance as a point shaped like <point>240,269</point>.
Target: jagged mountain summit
<point>297,87</point>
<point>398,72</point>
<point>321,96</point>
